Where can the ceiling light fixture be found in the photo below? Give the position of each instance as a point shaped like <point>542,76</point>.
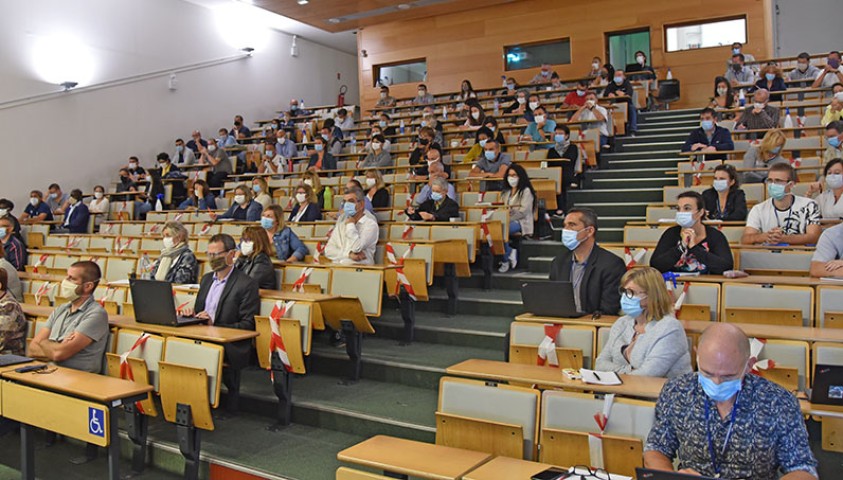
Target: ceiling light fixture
<point>334,20</point>
<point>403,6</point>
<point>303,2</point>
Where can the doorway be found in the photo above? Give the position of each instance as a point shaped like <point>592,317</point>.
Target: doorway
<point>621,46</point>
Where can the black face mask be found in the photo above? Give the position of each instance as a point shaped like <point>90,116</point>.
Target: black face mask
<point>424,141</point>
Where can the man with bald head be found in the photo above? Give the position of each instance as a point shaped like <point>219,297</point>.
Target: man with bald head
<point>760,115</point>
<point>722,422</point>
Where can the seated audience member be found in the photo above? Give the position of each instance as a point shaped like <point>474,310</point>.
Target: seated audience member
<point>519,106</point>
<point>125,184</point>
<point>261,191</point>
<point>833,138</point>
<point>436,170</point>
<point>376,155</point>
<point>253,258</point>
<point>492,165</point>
<point>354,183</point>
<point>594,272</point>
<point>429,120</point>
<point>533,102</point>
<point>596,116</point>
<point>569,154</point>
<point>6,207</point>
<point>225,139</point>
<point>306,207</point>
<point>136,172</point>
<point>764,155</point>
<point>324,193</point>
<point>56,199</point>
<point>620,87</point>
<point>284,145</point>
<point>298,111</point>
<point>738,73</point>
<point>143,203</point>
<point>648,340</point>
<point>832,72</point>
<point>285,243</point>
<point>217,158</point>
<point>424,97</point>
<point>543,76</point>
<point>386,144</point>
<point>692,246</point>
<point>227,298</point>
<point>476,115</point>
<point>355,234</point>
<point>492,124</point>
<point>466,91</point>
<point>699,415</point>
<point>12,283</point>
<point>772,81</point>
<point>76,333</point>
<point>385,99</point>
<point>37,211</point>
<point>99,205</point>
<point>828,257</point>
<point>640,66</point>
<point>834,111</point>
<point>541,128</point>
<point>13,324</point>
<point>483,135</point>
<point>725,200</point>
<point>438,207</point>
<point>709,137</point>
<point>520,197</point>
<point>784,217</point>
<point>604,76</point>
<point>737,48</point>
<point>828,196</point>
<point>168,170</point>
<point>576,98</point>
<point>321,158</point>
<point>183,155</point>
<point>177,263</point>
<point>344,122</point>
<point>333,143</point>
<point>595,67</point>
<point>724,96</point>
<point>804,70</point>
<point>15,250</point>
<point>76,215</point>
<point>200,198</point>
<point>418,155</point>
<point>387,129</point>
<point>244,208</point>
<point>196,141</point>
<point>240,130</point>
<point>759,115</point>
<point>376,190</point>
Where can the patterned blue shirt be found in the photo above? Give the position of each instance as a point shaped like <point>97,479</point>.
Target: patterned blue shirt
<point>768,435</point>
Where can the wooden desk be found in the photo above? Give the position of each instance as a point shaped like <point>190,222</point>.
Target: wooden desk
<point>417,459</point>
<point>633,385</point>
<point>508,468</point>
<point>77,404</point>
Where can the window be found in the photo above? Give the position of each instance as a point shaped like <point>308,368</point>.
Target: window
<point>408,71</point>
<point>705,34</point>
<point>533,55</point>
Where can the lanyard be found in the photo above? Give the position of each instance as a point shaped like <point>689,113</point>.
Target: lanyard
<point>787,218</point>
<point>714,462</point>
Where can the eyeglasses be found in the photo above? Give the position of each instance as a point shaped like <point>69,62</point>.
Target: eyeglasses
<point>584,472</point>
<point>630,294</point>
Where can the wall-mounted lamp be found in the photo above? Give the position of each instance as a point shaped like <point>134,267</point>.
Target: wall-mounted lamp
<point>294,48</point>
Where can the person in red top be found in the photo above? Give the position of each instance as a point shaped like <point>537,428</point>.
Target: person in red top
<point>577,97</point>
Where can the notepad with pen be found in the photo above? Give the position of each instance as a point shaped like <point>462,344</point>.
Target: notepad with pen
<point>600,378</point>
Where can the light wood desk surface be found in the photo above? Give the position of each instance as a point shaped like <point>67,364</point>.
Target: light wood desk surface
<point>508,468</point>
<point>417,459</point>
<point>76,383</point>
<point>633,385</point>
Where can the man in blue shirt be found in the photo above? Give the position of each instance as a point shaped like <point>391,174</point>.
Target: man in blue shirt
<point>722,422</point>
<point>37,211</point>
<point>709,137</point>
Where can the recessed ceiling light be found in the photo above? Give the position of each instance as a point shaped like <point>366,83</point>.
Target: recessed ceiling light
<point>403,6</point>
<point>303,2</point>
<point>334,20</point>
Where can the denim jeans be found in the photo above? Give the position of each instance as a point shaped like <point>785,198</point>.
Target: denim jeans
<point>514,227</point>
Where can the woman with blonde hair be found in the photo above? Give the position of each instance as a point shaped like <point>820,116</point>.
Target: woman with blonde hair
<point>288,247</point>
<point>306,208</point>
<point>324,194</point>
<point>254,258</point>
<point>771,79</point>
<point>177,263</point>
<point>375,189</point>
<point>764,155</point>
<point>261,191</point>
<point>648,340</point>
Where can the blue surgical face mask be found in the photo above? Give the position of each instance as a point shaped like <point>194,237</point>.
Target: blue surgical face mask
<point>318,147</point>
<point>3,232</point>
<point>736,51</point>
<point>685,219</point>
<point>570,240</point>
<point>349,208</point>
<point>776,150</point>
<point>436,196</point>
<point>770,76</point>
<point>631,306</point>
<point>267,223</point>
<point>382,123</point>
<point>721,185</point>
<point>179,148</point>
<point>833,142</point>
<point>707,124</point>
<point>719,392</point>
<point>483,142</point>
<point>618,80</point>
<point>776,191</point>
<point>490,154</point>
<point>256,188</point>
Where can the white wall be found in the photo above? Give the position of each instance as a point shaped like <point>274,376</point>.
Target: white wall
<point>807,26</point>
<point>81,138</point>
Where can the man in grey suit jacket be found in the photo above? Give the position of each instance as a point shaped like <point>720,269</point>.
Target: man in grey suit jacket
<point>596,273</point>
<point>228,298</point>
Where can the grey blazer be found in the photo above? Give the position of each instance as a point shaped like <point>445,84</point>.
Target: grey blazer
<point>661,351</point>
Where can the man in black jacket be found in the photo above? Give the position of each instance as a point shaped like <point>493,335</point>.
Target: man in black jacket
<point>619,86</point>
<point>595,272</point>
<point>228,298</point>
<point>439,208</point>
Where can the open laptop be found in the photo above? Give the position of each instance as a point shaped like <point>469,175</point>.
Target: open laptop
<point>550,299</point>
<point>153,303</point>
<point>647,474</point>
<point>9,359</point>
<point>828,385</point>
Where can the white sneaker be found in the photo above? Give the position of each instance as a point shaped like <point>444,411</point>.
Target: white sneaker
<point>513,258</point>
<point>504,267</point>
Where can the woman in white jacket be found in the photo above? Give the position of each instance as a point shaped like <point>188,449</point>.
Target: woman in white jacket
<point>520,198</point>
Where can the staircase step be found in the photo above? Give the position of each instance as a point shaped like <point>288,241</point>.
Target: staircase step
<point>663,146</point>
<point>647,172</point>
<point>644,138</point>
<point>540,264</point>
<point>668,164</point>
<point>467,331</point>
<point>615,156</point>
<point>630,182</point>
<point>670,113</point>
<point>614,208</point>
<point>615,194</point>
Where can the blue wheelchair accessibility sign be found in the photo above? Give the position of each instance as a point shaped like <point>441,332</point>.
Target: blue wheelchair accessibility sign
<point>96,422</point>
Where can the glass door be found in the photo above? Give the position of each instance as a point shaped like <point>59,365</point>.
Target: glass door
<point>623,45</point>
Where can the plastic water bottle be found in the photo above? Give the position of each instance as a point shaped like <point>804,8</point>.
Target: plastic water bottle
<point>301,103</point>
<point>742,97</point>
<point>159,206</point>
<point>353,143</point>
<point>669,74</point>
<point>788,120</point>
<point>503,79</point>
<point>401,126</point>
<point>444,112</point>
<point>146,267</point>
<point>497,108</point>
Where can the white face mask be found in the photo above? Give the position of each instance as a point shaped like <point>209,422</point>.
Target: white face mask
<point>3,213</point>
<point>422,93</point>
<point>133,166</point>
<point>534,105</point>
<point>68,290</point>
<point>595,66</point>
<point>539,118</point>
<point>639,59</point>
<point>759,106</point>
<point>383,94</point>
<point>839,96</point>
<point>376,146</point>
<point>301,197</point>
<point>475,115</point>
<point>308,182</point>
<point>590,103</point>
<point>212,148</point>
<point>97,195</point>
<point>802,67</point>
<point>246,248</point>
<point>34,201</point>
<point>513,181</point>
<point>522,100</point>
<point>722,91</point>
<point>240,199</point>
<point>370,182</point>
<point>168,242</point>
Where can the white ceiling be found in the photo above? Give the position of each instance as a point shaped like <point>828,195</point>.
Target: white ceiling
<point>344,41</point>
